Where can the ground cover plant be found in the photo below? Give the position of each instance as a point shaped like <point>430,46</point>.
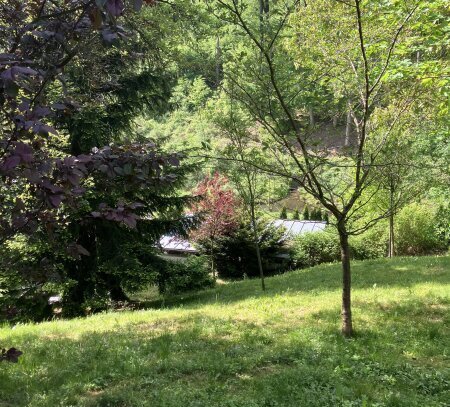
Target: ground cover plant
<point>238,346</point>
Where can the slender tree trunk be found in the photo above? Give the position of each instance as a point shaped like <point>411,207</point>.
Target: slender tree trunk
<point>213,268</point>
<point>258,251</point>
<point>391,221</point>
<point>335,121</point>
<point>391,236</point>
<point>347,325</point>
<point>219,67</point>
<point>312,121</point>
<point>348,127</point>
<point>116,292</point>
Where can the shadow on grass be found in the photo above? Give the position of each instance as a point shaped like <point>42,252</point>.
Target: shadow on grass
<point>400,272</point>
<point>206,361</point>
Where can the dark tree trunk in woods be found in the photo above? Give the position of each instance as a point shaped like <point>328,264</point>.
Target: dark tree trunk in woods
<point>347,326</point>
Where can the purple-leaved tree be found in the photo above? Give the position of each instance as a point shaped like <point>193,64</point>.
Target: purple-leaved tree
<point>38,40</point>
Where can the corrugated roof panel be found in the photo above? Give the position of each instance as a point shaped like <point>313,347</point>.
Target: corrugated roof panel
<point>297,227</point>
<point>174,243</point>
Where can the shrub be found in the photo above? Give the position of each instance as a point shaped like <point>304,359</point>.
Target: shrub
<point>26,288</point>
<point>283,213</point>
<point>306,213</point>
<point>314,248</point>
<point>443,224</point>
<point>186,275</point>
<point>296,215</point>
<point>417,230</point>
<point>370,245</point>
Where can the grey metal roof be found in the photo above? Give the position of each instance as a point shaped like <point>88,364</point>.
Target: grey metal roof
<point>297,227</point>
<point>293,228</point>
<point>176,244</point>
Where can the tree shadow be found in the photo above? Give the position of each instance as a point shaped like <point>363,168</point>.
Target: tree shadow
<point>398,272</point>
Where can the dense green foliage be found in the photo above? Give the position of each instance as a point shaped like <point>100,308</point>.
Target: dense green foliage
<point>234,253</point>
<point>237,346</point>
<point>417,232</point>
<point>418,229</point>
<point>184,275</point>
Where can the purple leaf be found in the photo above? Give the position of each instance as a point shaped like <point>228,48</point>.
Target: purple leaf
<point>10,355</point>
<point>173,160</point>
<point>24,70</point>
<point>130,221</point>
<point>24,151</point>
<point>115,7</point>
<point>10,163</point>
<point>55,200</point>
<point>8,74</point>
<point>43,129</point>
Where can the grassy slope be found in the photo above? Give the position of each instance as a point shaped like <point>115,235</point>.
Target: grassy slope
<point>235,346</point>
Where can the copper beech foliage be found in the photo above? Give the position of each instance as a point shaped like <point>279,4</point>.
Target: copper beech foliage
<point>38,40</point>
<point>41,38</point>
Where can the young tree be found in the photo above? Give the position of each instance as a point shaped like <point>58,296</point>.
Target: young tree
<point>306,215</point>
<point>355,67</point>
<point>217,205</point>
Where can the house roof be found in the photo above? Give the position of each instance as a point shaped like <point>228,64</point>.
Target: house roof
<point>297,227</point>
<point>293,228</point>
<point>176,244</point>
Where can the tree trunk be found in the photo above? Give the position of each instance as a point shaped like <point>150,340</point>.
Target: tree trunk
<point>219,67</point>
<point>258,253</point>
<point>391,236</point>
<point>348,127</point>
<point>116,292</point>
<point>347,326</point>
<point>391,252</point>
<point>312,121</point>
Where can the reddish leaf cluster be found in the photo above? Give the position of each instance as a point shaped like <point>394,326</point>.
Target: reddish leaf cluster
<point>217,205</point>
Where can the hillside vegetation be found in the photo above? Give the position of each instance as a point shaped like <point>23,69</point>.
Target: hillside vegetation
<point>236,346</point>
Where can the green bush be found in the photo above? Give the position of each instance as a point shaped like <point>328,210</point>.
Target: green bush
<point>185,275</point>
<point>26,288</point>
<point>314,248</point>
<point>370,245</point>
<point>417,230</point>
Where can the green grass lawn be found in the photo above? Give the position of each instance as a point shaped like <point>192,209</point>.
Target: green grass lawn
<point>235,346</point>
